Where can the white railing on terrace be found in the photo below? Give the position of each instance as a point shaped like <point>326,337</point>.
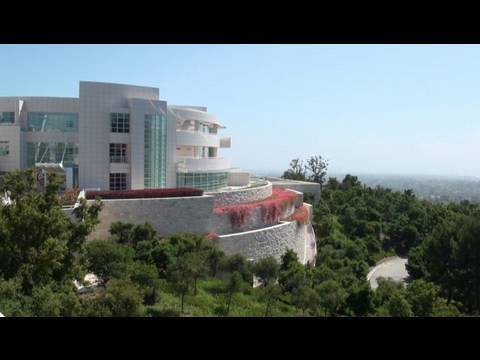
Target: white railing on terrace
<point>196,138</point>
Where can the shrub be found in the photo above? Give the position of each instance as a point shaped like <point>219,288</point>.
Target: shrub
<point>144,194</point>
<point>70,196</point>
<point>301,215</point>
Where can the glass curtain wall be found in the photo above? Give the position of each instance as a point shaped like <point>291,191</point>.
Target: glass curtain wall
<point>7,117</point>
<point>204,181</point>
<point>155,151</point>
<point>63,122</point>
<point>50,152</point>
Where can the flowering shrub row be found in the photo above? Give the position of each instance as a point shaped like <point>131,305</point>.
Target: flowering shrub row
<point>271,208</point>
<point>301,215</point>
<point>144,194</point>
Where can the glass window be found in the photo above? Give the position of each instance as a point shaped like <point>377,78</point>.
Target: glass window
<point>43,122</point>
<point>46,152</point>
<point>118,181</point>
<point>204,181</point>
<point>118,153</point>
<point>7,117</point>
<point>4,148</point>
<point>155,128</point>
<point>120,123</point>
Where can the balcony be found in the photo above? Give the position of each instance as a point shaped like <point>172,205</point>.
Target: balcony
<point>202,164</point>
<point>195,138</point>
<point>189,113</point>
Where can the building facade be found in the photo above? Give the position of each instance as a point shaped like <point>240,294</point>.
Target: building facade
<point>114,137</point>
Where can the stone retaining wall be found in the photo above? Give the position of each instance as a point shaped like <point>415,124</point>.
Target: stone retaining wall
<point>257,244</point>
<point>223,224</point>
<point>242,196</point>
<point>167,215</point>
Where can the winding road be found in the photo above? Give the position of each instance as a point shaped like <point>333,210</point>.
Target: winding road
<point>393,268</point>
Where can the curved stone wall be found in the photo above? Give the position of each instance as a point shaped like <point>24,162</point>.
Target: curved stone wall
<point>168,216</point>
<point>172,215</point>
<point>224,226</point>
<point>271,241</point>
<point>242,196</point>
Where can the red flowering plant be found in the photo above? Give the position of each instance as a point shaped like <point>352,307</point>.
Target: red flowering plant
<point>271,208</point>
<point>144,194</point>
<point>211,236</point>
<point>301,215</point>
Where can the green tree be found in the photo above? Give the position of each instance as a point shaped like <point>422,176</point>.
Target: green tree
<point>12,299</point>
<point>360,300</point>
<point>318,169</point>
<point>441,308</point>
<point>422,296</point>
<point>266,270</point>
<point>215,257</point>
<point>235,284</point>
<point>390,299</point>
<point>198,267</point>
<point>123,298</point>
<point>54,300</point>
<point>237,263</point>
<point>108,259</point>
<point>297,171</point>
<point>398,306</point>
<point>38,242</point>
<point>305,298</point>
<point>146,277</point>
<point>122,232</point>
<point>270,295</point>
<point>467,260</point>
<point>332,296</point>
<point>164,255</point>
<point>180,278</point>
<point>132,234</point>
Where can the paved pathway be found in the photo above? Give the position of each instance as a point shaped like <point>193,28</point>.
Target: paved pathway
<point>393,268</point>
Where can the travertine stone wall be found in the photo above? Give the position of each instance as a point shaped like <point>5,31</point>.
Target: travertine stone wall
<point>173,215</point>
<point>242,196</point>
<point>271,241</point>
<point>167,215</point>
<point>255,221</point>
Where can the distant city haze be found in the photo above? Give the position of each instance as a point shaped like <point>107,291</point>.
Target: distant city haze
<point>370,109</point>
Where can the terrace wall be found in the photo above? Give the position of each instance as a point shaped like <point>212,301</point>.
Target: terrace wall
<point>242,196</point>
<point>271,241</point>
<point>167,215</point>
<point>224,226</point>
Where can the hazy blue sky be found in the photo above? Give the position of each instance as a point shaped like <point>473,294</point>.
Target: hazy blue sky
<point>367,108</point>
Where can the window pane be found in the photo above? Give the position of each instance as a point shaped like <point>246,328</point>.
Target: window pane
<point>120,122</point>
<point>43,122</point>
<point>7,117</point>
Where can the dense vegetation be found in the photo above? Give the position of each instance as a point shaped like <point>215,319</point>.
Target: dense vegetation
<point>433,188</point>
<point>142,274</point>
